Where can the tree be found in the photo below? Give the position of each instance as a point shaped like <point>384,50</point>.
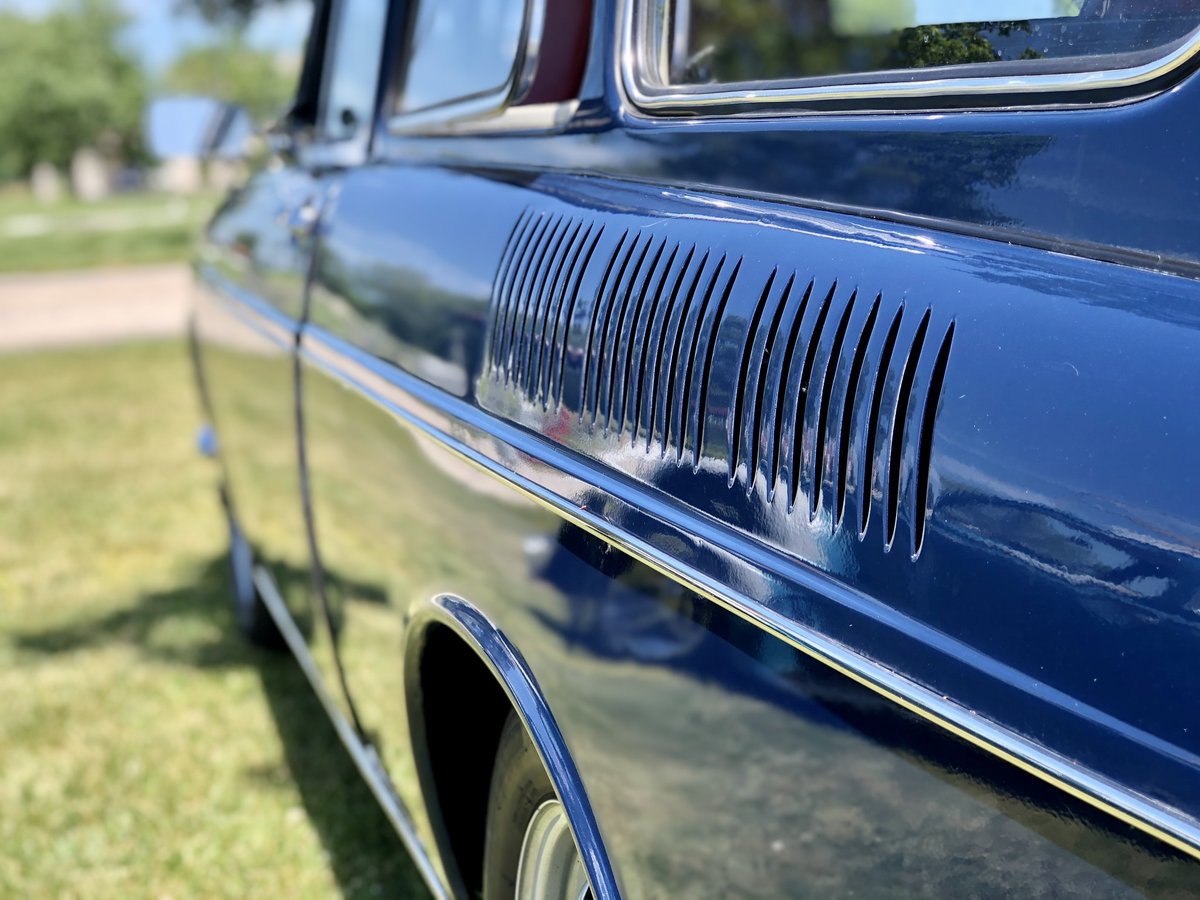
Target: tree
<point>946,45</point>
<point>66,82</point>
<point>225,12</point>
<point>236,73</point>
<point>748,40</point>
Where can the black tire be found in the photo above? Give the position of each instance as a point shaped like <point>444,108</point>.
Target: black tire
<point>253,619</point>
<point>520,785</point>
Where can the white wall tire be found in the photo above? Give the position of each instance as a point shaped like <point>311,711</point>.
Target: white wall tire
<point>529,850</point>
<point>250,613</point>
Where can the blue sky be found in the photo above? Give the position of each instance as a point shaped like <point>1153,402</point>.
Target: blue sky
<point>934,11</point>
<point>158,34</point>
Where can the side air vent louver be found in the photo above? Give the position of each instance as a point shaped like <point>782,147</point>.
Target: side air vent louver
<point>534,298</point>
<point>656,294</point>
<point>815,375</point>
<point>828,394</point>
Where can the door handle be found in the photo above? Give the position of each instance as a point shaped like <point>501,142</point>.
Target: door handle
<point>302,221</point>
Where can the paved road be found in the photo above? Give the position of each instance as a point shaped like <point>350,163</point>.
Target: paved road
<point>92,307</point>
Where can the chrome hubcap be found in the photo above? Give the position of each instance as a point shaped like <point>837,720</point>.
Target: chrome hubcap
<point>550,867</point>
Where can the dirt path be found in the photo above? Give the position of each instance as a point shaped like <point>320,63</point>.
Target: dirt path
<point>92,307</point>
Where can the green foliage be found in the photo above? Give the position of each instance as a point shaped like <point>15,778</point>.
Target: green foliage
<point>859,17</point>
<point>237,73</point>
<point>946,45</point>
<point>66,82</point>
<point>225,12</point>
<point>747,40</point>
<point>119,230</point>
<point>145,749</point>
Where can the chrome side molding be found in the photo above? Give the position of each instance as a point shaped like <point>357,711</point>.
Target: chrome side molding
<point>364,755</point>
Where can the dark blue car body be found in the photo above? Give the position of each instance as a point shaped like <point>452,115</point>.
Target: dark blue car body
<point>821,490</point>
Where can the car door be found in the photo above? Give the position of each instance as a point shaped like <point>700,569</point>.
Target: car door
<point>252,295</point>
<point>249,301</point>
<point>377,300</point>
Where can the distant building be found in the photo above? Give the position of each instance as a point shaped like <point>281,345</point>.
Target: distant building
<point>46,183</point>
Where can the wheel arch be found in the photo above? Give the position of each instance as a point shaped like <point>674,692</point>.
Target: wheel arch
<point>449,634</point>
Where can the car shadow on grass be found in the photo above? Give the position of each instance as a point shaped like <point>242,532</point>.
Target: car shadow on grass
<point>192,624</point>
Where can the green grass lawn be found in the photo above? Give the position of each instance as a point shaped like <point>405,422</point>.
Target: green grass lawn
<point>122,230</point>
<point>145,750</point>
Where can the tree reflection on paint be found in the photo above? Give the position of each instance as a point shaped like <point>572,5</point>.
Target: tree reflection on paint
<point>765,41</point>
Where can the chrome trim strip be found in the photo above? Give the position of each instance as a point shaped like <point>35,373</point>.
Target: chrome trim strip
<point>363,755</point>
<point>256,314</point>
<point>531,119</point>
<point>662,98</point>
<point>449,114</point>
<point>535,23</point>
<point>511,672</point>
<point>327,62</point>
<point>374,378</point>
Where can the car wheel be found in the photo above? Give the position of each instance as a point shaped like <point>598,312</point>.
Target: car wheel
<point>253,619</point>
<point>529,851</point>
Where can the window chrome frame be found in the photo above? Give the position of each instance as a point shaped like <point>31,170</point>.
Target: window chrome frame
<point>645,46</point>
<point>329,65</point>
<point>456,114</point>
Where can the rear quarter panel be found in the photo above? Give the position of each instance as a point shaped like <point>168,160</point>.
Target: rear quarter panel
<point>1050,599</point>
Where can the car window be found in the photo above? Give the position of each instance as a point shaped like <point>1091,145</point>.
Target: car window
<point>731,41</point>
<point>461,49</point>
<point>352,70</point>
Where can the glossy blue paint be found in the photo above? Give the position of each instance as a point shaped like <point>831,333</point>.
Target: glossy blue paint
<point>249,301</point>
<point>1034,493</point>
<point>697,419</point>
<point>657,707</point>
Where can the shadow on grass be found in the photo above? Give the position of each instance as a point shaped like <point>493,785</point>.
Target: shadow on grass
<point>193,625</point>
